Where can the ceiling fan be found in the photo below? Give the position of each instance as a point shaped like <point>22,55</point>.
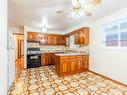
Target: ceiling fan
<point>81,7</point>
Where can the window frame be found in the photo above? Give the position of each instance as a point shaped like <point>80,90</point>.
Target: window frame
<point>109,25</point>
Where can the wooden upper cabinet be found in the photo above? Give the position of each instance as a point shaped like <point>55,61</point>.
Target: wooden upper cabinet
<point>49,39</point>
<point>55,40</point>
<point>76,38</point>
<point>82,36</point>
<point>32,37</point>
<point>86,36</point>
<point>62,40</point>
<point>46,39</point>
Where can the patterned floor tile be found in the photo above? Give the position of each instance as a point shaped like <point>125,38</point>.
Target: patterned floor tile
<point>44,81</point>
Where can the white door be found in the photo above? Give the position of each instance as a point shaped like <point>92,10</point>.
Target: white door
<point>11,58</point>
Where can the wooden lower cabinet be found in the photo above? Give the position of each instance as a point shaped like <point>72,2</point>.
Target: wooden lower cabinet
<point>63,66</point>
<point>86,61</point>
<point>67,65</point>
<point>73,65</point>
<point>79,62</point>
<point>47,59</point>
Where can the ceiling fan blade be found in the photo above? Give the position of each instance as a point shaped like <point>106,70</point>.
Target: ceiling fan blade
<point>95,2</point>
<point>60,11</point>
<point>64,10</point>
<point>91,4</point>
<point>88,13</point>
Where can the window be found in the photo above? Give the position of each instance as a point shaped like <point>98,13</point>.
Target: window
<point>115,33</point>
<point>123,34</point>
<point>72,42</point>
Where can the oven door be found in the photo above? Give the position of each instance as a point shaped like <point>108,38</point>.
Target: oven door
<point>33,61</point>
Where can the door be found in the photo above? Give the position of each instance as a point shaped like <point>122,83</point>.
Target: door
<point>11,58</point>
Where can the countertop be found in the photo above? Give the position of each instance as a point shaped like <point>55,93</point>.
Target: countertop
<point>70,54</point>
<point>58,53</point>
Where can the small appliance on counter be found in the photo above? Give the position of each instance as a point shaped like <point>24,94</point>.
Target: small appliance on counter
<point>33,57</point>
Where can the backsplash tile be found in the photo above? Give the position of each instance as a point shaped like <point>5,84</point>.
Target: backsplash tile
<point>78,48</point>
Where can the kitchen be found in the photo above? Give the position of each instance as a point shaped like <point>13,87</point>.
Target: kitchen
<point>63,47</point>
<point>69,52</point>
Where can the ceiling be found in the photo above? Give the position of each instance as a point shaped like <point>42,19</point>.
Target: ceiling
<point>34,13</point>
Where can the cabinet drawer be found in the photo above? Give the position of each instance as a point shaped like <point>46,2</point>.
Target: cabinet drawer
<point>80,56</point>
<point>72,57</point>
<point>64,57</point>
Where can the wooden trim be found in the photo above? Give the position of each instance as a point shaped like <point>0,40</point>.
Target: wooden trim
<point>115,81</point>
<point>45,33</point>
<point>18,34</point>
<point>75,31</point>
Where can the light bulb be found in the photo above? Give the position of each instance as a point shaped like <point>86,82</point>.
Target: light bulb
<point>74,2</point>
<point>44,29</point>
<point>77,14</point>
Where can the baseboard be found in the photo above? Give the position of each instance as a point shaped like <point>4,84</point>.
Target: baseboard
<point>119,83</point>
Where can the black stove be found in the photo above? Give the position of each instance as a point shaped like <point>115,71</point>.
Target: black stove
<point>33,57</point>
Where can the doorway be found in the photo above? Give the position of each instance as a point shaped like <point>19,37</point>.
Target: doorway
<point>19,51</point>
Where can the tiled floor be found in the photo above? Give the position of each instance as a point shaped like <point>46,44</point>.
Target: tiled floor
<point>44,81</point>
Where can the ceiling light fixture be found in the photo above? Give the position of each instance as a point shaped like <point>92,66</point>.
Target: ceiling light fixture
<point>78,10</point>
<point>44,29</point>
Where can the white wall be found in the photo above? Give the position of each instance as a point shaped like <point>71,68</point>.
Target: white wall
<point>3,47</point>
<point>109,62</point>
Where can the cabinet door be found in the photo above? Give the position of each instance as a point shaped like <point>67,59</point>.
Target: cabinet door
<point>52,58</point>
<point>49,58</point>
<point>29,37</point>
<point>79,63</point>
<point>58,40</point>
<point>72,64</point>
<point>55,40</point>
<point>49,37</point>
<point>52,40</point>
<point>46,39</point>
<point>86,62</point>
<point>76,38</point>
<point>32,37</point>
<point>64,65</point>
<point>44,60</point>
<point>86,36</point>
<point>82,36</point>
<point>63,42</point>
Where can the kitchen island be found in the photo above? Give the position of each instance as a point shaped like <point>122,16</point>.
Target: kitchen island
<point>71,63</point>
